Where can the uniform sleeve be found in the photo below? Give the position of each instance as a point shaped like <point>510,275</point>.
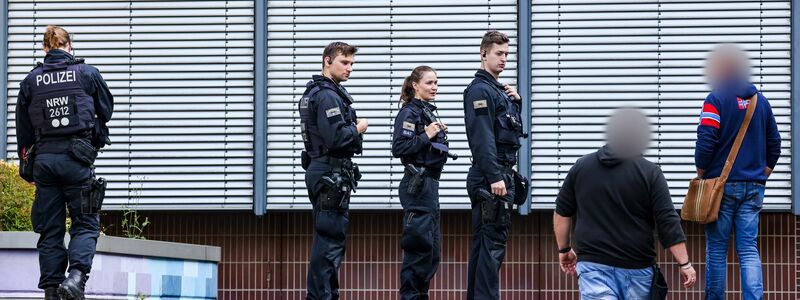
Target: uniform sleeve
<point>566,202</point>
<point>103,100</point>
<point>479,119</point>
<point>336,134</point>
<point>773,137</point>
<point>668,223</point>
<point>405,140</point>
<point>25,132</point>
<point>707,133</point>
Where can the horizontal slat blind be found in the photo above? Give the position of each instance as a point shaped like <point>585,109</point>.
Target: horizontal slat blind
<point>590,57</point>
<point>182,76</point>
<point>394,37</point>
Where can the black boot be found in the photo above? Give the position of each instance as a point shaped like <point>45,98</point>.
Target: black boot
<point>51,294</point>
<point>72,287</point>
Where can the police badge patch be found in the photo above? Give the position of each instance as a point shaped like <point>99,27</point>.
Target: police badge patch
<point>408,128</point>
<point>333,112</point>
<point>481,107</point>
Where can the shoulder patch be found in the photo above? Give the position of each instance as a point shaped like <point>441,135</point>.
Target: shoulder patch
<point>409,125</point>
<point>333,112</point>
<point>478,104</point>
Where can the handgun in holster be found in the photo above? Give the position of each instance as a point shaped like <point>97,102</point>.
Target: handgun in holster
<point>92,200</point>
<point>416,183</point>
<point>494,209</point>
<point>334,194</point>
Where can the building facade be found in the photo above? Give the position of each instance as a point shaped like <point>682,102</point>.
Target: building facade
<point>206,136</point>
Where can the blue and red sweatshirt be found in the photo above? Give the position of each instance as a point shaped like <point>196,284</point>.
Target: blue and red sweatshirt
<point>723,113</point>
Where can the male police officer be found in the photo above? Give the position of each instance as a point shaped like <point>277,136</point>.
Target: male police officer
<point>62,109</point>
<point>492,117</point>
<point>331,135</point>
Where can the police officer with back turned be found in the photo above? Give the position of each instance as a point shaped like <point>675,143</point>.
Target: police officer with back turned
<point>420,141</point>
<point>62,110</point>
<point>332,134</point>
<point>494,127</point>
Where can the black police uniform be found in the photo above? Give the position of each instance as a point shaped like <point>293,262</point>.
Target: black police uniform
<point>62,101</point>
<point>421,241</point>
<point>328,125</point>
<point>493,131</point>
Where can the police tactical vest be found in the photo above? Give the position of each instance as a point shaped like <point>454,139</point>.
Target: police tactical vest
<point>508,123</point>
<point>309,129</point>
<point>59,104</point>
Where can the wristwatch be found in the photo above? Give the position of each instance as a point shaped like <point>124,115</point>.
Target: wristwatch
<point>565,250</point>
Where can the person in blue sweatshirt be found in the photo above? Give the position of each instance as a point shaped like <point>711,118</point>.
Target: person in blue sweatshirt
<point>723,111</point>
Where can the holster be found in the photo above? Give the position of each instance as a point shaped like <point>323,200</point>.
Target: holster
<point>92,198</point>
<point>416,181</point>
<point>26,164</point>
<point>335,194</point>
<point>83,151</point>
<point>493,210</point>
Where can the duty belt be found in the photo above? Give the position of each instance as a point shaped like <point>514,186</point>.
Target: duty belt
<point>435,174</point>
<point>54,146</point>
<point>344,163</point>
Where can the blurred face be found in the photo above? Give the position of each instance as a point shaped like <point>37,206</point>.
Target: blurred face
<point>628,133</point>
<point>717,70</point>
<point>726,63</point>
<point>494,60</point>
<point>426,88</point>
<point>340,67</point>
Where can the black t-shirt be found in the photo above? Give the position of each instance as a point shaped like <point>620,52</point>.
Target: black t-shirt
<point>618,204</point>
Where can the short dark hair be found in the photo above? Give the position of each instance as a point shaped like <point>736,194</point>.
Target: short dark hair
<point>338,48</point>
<point>493,37</point>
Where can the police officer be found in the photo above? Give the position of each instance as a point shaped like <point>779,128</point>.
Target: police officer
<point>492,117</point>
<point>332,134</point>
<point>419,140</point>
<point>62,110</point>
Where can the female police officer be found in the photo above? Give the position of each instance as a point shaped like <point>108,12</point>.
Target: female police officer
<point>420,142</point>
<point>61,113</point>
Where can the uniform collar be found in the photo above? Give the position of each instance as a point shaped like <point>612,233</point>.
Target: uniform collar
<point>57,56</point>
<point>489,78</point>
<point>422,104</point>
<point>322,80</point>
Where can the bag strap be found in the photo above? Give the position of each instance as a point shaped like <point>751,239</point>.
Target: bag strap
<point>751,108</point>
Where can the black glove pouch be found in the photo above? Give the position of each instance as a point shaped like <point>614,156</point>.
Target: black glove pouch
<point>520,188</point>
<point>83,151</point>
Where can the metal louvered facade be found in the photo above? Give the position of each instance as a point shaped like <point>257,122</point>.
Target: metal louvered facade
<point>393,37</point>
<point>590,57</point>
<point>187,107</point>
<point>181,73</point>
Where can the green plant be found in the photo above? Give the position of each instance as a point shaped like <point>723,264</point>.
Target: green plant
<point>132,223</point>
<point>16,199</point>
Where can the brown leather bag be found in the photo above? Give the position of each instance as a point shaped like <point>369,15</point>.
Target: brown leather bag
<point>705,195</point>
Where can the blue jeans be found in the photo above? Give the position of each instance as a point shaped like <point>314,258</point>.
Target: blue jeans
<point>597,281</point>
<point>740,208</point>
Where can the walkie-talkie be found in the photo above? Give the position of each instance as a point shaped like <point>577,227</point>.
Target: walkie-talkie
<point>432,118</point>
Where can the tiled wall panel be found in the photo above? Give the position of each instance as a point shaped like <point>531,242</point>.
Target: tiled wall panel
<point>266,258</point>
